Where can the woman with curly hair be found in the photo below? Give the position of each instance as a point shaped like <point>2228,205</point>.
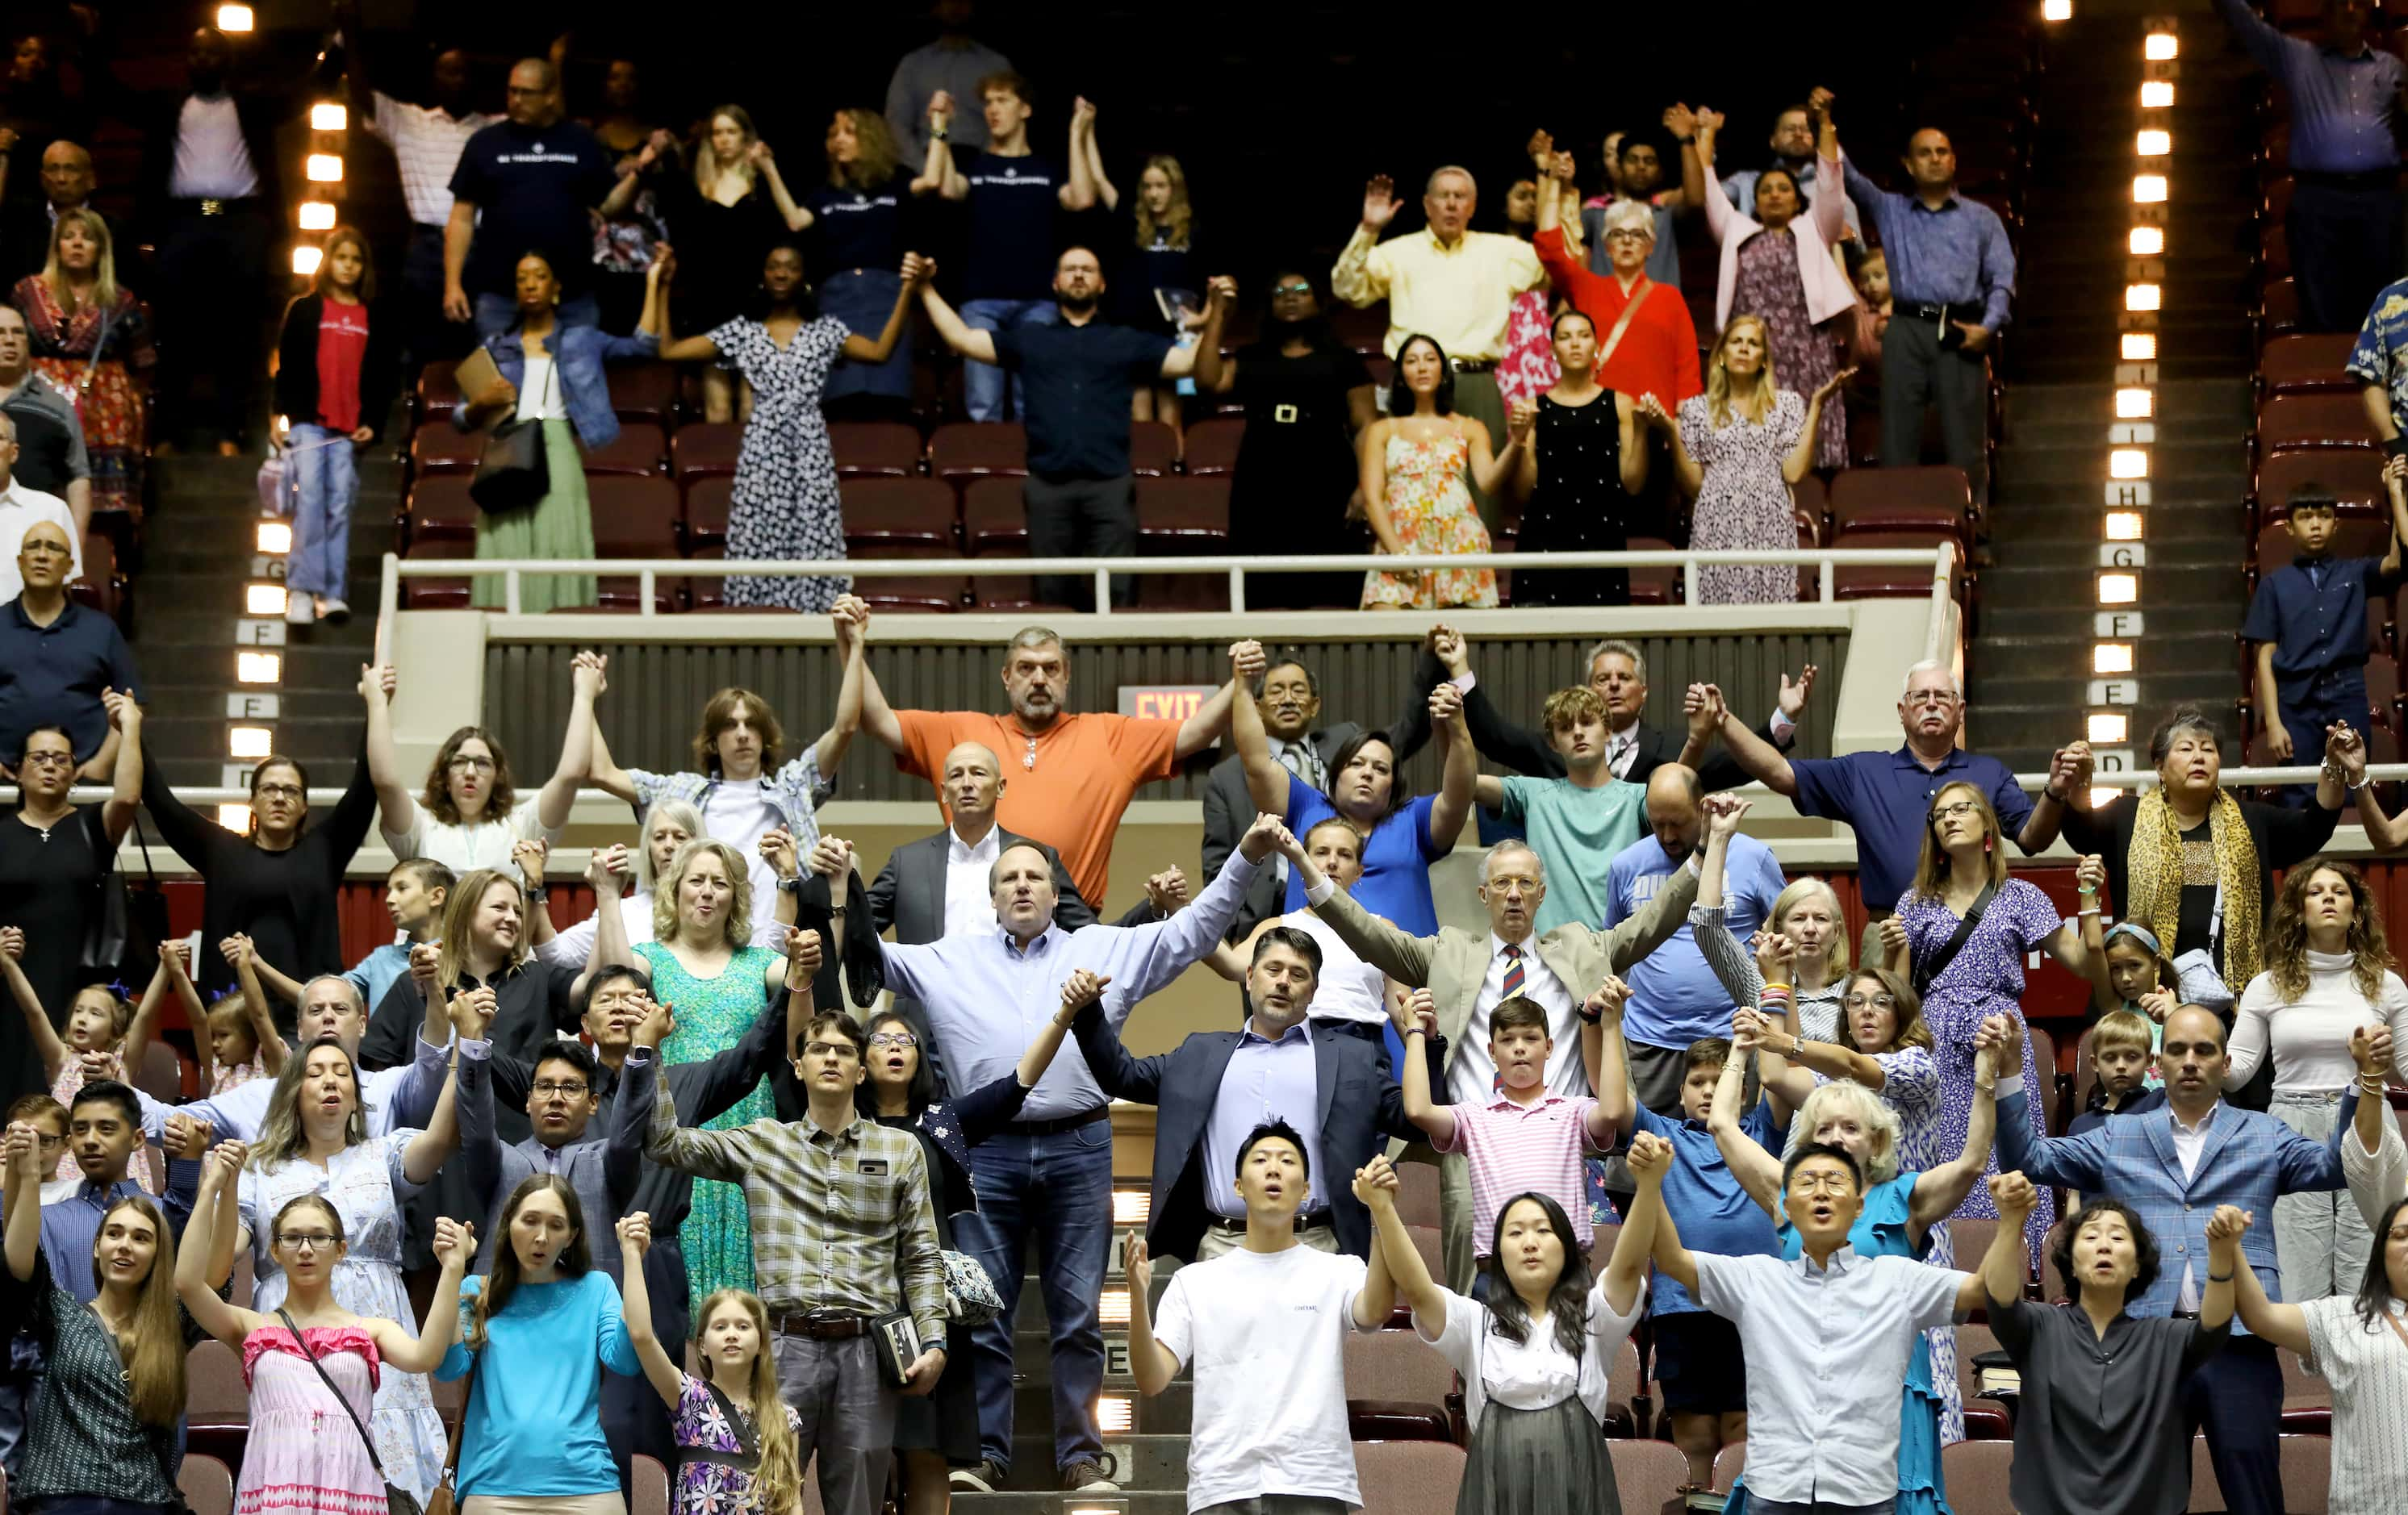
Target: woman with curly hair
<point>92,340</point>
<point>857,216</point>
<point>469,814</point>
<point>2328,973</point>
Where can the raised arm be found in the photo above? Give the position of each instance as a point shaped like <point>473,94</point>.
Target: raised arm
<point>852,620</point>
<point>1941,1190</point>
<point>1698,184</point>
<point>125,779</point>
<point>1458,777</point>
<point>1376,1186</point>
<point>1201,729</point>
<point>394,809</point>
<point>1802,452</point>
<point>2007,1261</point>
<point>1151,1362</point>
<point>2285,1325</point>
<point>1185,359</point>
<point>1107,193</point>
<point>428,1150</point>
<point>38,1029</point>
<point>1492,471</point>
<point>1119,1074</point>
<point>1686,471</point>
<point>1416,1018</point>
<point>1605,1057</point>
<point>860,348</point>
<point>1759,1172</point>
<point>559,792</point>
<point>956,335</point>
<point>1626,1272</point>
<point>1399,954</point>
<point>636,1302</point>
<point>20,1230</point>
<point>938,176</point>
<point>1757,758</point>
<point>139,1031</point>
<point>1647,1210</point>
<point>220,1171</point>
<point>455,1247</point>
<point>1079,192</point>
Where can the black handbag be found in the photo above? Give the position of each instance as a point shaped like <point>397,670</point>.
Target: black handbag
<point>514,472</point>
<point>397,1500</point>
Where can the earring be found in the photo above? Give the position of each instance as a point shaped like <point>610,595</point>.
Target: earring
<point>1987,842</point>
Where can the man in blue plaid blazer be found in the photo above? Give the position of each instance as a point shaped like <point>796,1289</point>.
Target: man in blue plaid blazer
<point>2175,1165</point>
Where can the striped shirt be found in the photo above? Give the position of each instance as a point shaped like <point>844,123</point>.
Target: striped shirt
<point>426,144</point>
<point>842,1219</point>
<point>1513,1148</point>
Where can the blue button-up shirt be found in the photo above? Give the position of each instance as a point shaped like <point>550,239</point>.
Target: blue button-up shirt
<point>54,674</point>
<point>1079,381</point>
<point>2314,613</point>
<point>986,994</point>
<point>1676,999</point>
<point>2341,106</point>
<point>2380,356</point>
<point>1886,796</point>
<point>1957,254</point>
<point>70,1225</point>
<point>1265,1080</point>
<point>380,971</point>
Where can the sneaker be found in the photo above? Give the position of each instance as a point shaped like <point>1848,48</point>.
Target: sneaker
<point>334,611</point>
<point>1091,1474</point>
<point>986,1477</point>
<point>298,610</point>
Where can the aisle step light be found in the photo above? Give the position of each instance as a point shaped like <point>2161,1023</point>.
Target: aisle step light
<point>319,216</point>
<point>2110,657</point>
<point>328,116</point>
<point>307,256</point>
<point>2158,94</point>
<point>234,19</point>
<point>2144,296</point>
<point>1112,1309</point>
<point>2146,242</point>
<point>1132,1206</point>
<point>325,169</point>
<point>2154,142</point>
<point>2128,463</point>
<point>262,599</point>
<point>2056,10</point>
<point>2109,726</point>
<point>2149,189</point>
<point>2118,588</point>
<point>2139,347</point>
<point>2137,404</point>
<point>2161,46</point>
<point>258,667</point>
<point>275,537</point>
<point>2123,525</point>
<point>1115,1415</point>
<point>251,742</point>
<point>234,818</point>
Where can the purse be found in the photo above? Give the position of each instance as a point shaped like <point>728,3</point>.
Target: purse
<point>970,1296</point>
<point>514,471</point>
<point>1937,963</point>
<point>397,1500</point>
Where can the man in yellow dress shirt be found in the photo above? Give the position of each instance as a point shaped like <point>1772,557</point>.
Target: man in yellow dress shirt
<point>1446,282</point>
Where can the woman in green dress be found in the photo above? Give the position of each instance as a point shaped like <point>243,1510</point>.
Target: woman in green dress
<point>552,374</point>
<point>716,984</point>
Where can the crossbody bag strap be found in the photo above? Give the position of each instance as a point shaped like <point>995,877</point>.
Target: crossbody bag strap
<point>748,1434</point>
<point>1622,324</point>
<point>340,1399</point>
<point>1929,971</point>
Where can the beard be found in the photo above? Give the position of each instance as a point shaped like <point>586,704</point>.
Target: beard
<point>1077,305</point>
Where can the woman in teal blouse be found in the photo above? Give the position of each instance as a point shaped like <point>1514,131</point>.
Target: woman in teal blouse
<point>533,1432</point>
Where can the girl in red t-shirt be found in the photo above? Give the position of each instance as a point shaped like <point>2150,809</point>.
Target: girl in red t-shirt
<point>334,383</point>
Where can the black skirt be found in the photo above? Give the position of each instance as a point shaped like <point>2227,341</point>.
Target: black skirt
<point>1537,1461</point>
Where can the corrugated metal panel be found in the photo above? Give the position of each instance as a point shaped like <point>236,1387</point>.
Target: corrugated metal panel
<point>657,689</point>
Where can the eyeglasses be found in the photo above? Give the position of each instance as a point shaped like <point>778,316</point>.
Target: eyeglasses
<point>277,791</point>
<point>561,1086</point>
<point>1626,235</point>
<point>472,765</point>
<point>827,1049</point>
<point>1870,1001</point>
<point>46,1139</point>
<point>1954,809</point>
<point>314,1241</point>
<point>1292,289</point>
<point>51,760</point>
<point>894,1039</point>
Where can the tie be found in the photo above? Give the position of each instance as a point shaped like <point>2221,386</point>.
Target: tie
<point>1299,758</point>
<point>1512,969</point>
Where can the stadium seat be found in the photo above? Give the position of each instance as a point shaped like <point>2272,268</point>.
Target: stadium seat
<point>217,1400</point>
<point>706,502</point>
<point>1016,592</point>
<point>1901,581</point>
<point>1654,586</point>
<point>638,450</point>
<point>2279,307</point>
<point>438,594</point>
<point>1365,330</point>
<point>101,587</point>
<point>968,449</point>
<point>2273,251</point>
<point>2307,1399</point>
<point>438,447</point>
<point>1407,1477</point>
<point>1934,499</point>
<point>1425,1242</point>
<point>1154,449</point>
<point>1729,1463</point>
<point>1396,1388</point>
<point>706,450</point>
<point>1976,1473</point>
<point>923,595</point>
<point>1646,1475</point>
<point>2356,538</point>
<point>874,449</point>
<point>2043,1047</point>
<point>635,516</point>
<point>1629,1411</point>
<point>2352,477</point>
<point>1812,497</point>
<point>439,510</point>
<point>1181,515</point>
<point>901,518</point>
<point>1417,1193</point>
<point>1985,1420</point>
<point>643,391</point>
<point>649,1486</point>
<point>2300,364</point>
<point>1213,447</point>
<point>206,1485</point>
<point>162,1076</point>
<point>2307,1472</point>
<point>437,390</point>
<point>2299,422</point>
<point>994,520</point>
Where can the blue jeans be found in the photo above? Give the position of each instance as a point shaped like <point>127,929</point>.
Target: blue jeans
<point>984,384</point>
<point>1059,1188</point>
<point>321,480</point>
<point>498,313</point>
<point>2333,695</point>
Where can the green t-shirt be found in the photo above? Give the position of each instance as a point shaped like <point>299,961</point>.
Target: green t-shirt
<point>1579,832</point>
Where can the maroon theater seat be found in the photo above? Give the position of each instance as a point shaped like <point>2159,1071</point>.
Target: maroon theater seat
<point>901,518</point>
<point>706,450</point>
<point>968,449</point>
<point>874,449</point>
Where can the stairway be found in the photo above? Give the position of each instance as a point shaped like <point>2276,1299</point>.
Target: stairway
<point>200,553</point>
<point>2031,677</point>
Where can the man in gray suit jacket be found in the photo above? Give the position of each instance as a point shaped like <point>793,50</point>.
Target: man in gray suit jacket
<point>1289,699</point>
<point>561,1107</point>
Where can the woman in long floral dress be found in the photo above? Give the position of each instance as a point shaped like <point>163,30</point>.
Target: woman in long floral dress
<point>1418,464</point>
<point>92,342</point>
<point>784,503</point>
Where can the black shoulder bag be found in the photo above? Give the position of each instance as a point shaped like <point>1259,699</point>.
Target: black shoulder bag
<point>1928,969</point>
<point>397,1500</point>
<point>514,471</point>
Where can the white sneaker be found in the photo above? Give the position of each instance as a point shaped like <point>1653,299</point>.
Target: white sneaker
<point>334,611</point>
<point>298,610</point>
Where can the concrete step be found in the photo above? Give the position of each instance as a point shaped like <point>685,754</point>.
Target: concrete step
<point>2227,401</point>
<point>1170,1413</point>
<point>2217,486</point>
<point>1151,1465</point>
<point>2089,434</point>
<point>2033,530</point>
<point>2086,464</point>
<point>2006,588</point>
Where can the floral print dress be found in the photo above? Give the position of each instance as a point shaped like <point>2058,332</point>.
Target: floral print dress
<point>1430,510</point>
<point>784,502</point>
<point>1743,500</point>
<point>707,1488</point>
<point>1768,285</point>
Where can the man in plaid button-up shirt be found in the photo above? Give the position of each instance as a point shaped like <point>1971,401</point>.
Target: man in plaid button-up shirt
<point>842,1230</point>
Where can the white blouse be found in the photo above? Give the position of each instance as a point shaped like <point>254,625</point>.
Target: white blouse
<point>540,397</point>
<point>2367,1365</point>
<point>2309,1040</point>
<point>1535,1373</point>
<point>478,844</point>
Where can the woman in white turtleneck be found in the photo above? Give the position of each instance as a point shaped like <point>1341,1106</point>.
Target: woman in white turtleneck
<point>2328,974</point>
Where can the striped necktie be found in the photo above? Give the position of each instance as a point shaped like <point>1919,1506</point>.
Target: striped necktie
<point>1512,969</point>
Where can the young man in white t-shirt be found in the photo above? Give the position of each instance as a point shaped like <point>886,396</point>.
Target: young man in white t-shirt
<point>1263,1326</point>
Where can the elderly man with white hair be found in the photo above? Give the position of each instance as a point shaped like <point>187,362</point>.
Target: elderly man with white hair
<point>1445,283</point>
<point>1886,796</point>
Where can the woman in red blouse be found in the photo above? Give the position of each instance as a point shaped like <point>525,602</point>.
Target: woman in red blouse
<point>1654,352</point>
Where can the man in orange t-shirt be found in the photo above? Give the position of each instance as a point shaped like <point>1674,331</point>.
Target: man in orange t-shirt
<point>1072,775</point>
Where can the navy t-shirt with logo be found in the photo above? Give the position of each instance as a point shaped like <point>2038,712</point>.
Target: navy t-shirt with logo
<point>1012,206</point>
<point>857,228</point>
<point>532,187</point>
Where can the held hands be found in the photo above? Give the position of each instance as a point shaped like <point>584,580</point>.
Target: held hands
<point>12,941</point>
<point>1222,291</point>
<point>1893,938</point>
<point>803,953</point>
<point>473,1012</point>
<point>940,109</point>
<point>455,1245</point>
<point>1541,150</point>
<point>2370,1048</point>
<point>1520,421</point>
<point>377,683</point>
<point>531,853</point>
<point>2345,752</point>
<point>1445,704</point>
<point>587,673</point>
<point>1651,410</point>
<point>831,857</point>
<point>605,868</point>
<point>123,714</point>
<point>185,1137</point>
<point>2090,873</point>
<point>1650,1159</point>
<point>1723,812</point>
<point>222,1166</point>
<point>1605,1002</point>
<point>423,959</point>
<point>658,1024</point>
<point>1560,168</point>
<point>1775,955</point>
<point>171,957</point>
<point>236,950</point>
<point>1260,837</point>
<point>1083,114</point>
<point>1446,643</point>
<point>22,1148</point>
<point>918,272</point>
<point>1167,891</point>
<point>2069,769</point>
<point>759,155</point>
<point>1747,1032</point>
<point>1680,120</point>
<point>1708,123</point>
<point>2225,1227</point>
<point>2014,1196</point>
<point>1416,1011</point>
<point>1248,661</point>
<point>1376,1186</point>
<point>1084,987</point>
<point>635,1234</point>
<point>1380,204</point>
<point>777,849</point>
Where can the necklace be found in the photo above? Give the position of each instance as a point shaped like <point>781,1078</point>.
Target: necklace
<point>1028,759</point>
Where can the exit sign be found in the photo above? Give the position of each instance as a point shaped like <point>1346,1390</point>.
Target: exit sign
<point>1165,702</point>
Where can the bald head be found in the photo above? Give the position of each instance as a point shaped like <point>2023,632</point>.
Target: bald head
<point>973,782</point>
<point>1675,807</point>
<point>66,175</point>
<point>2193,1061</point>
<point>534,93</point>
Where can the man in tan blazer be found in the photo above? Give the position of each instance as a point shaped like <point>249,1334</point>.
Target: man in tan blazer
<point>1468,975</point>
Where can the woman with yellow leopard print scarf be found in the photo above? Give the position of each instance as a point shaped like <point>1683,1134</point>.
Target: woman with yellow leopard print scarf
<point>2195,864</point>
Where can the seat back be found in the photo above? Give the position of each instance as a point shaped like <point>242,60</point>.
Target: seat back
<point>995,518</point>
<point>648,1486</point>
<point>2293,422</point>
<point>874,449</point>
<point>643,391</point>
<point>709,447</point>
<point>1213,446</point>
<point>1976,1473</point>
<point>979,449</point>
<point>1153,448</point>
<point>706,502</point>
<point>2352,478</point>
<point>1924,499</point>
<point>1182,515</point>
<point>2304,363</point>
<point>641,448</point>
<point>162,1075</point>
<point>206,1485</point>
<point>1417,1193</point>
<point>1409,1478</point>
<point>438,447</point>
<point>438,509</point>
<point>635,516</point>
<point>901,517</point>
<point>1729,1463</point>
<point>215,1394</point>
<point>1647,1475</point>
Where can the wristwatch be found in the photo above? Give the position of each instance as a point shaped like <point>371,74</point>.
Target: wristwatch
<point>1588,1017</point>
<point>1796,1048</point>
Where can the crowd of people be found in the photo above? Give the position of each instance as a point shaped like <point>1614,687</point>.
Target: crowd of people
<point>590,1142</point>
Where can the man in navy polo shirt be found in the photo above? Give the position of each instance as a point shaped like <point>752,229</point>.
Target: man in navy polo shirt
<point>1079,371</point>
<point>57,658</point>
<point>1012,193</point>
<point>1885,795</point>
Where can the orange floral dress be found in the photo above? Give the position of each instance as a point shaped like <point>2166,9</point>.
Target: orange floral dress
<point>1430,510</point>
<point>105,396</point>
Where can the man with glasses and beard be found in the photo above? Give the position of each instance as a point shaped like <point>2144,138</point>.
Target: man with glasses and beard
<point>1078,375</point>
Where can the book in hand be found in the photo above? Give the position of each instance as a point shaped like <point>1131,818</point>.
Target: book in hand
<point>896,1338</point>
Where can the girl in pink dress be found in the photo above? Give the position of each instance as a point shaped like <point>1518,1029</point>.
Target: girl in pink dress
<point>99,1022</point>
<point>308,1451</point>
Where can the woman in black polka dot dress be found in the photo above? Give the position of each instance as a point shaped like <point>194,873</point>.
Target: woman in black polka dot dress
<point>785,504</point>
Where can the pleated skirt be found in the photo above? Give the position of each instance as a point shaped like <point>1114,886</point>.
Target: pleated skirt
<point>1537,1461</point>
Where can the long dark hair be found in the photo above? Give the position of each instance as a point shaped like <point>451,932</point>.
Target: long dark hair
<point>1400,395</point>
<point>1567,1302</point>
<point>922,1092</point>
<point>2374,1295</point>
<point>1399,794</point>
<point>502,1280</point>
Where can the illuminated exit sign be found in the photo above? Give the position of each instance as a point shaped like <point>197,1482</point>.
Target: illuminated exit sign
<point>1167,702</point>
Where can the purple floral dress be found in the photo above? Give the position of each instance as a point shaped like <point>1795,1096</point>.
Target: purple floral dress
<point>1768,285</point>
<point>1985,978</point>
<point>1744,501</point>
<point>712,1488</point>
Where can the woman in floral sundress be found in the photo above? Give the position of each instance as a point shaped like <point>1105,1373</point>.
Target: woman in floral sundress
<point>1417,465</point>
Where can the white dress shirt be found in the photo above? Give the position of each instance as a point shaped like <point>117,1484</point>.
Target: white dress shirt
<point>1473,1075</point>
<point>20,508</point>
<point>1533,1373</point>
<point>212,160</point>
<point>969,897</point>
<point>2190,1145</point>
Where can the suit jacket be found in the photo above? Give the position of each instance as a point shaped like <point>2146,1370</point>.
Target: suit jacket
<point>1527,750</point>
<point>1454,964</point>
<point>2250,1158</point>
<point>602,1170</point>
<point>1229,809</point>
<point>1359,1104</point>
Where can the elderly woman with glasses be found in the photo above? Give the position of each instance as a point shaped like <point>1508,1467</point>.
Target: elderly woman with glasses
<point>1646,342</point>
<point>470,814</point>
<point>2195,864</point>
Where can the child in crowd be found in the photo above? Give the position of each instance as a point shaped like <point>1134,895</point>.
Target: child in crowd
<point>1526,1140</point>
<point>1868,269</point>
<point>99,1022</point>
<point>48,1120</point>
<point>740,1457</point>
<point>242,1041</point>
<point>334,378</point>
<point>2123,1059</point>
<point>2308,621</point>
<point>414,892</point>
<point>2128,968</point>
<point>1698,1357</point>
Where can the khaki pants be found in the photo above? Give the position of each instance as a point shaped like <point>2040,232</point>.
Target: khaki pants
<point>1476,396</point>
<point>1219,1243</point>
